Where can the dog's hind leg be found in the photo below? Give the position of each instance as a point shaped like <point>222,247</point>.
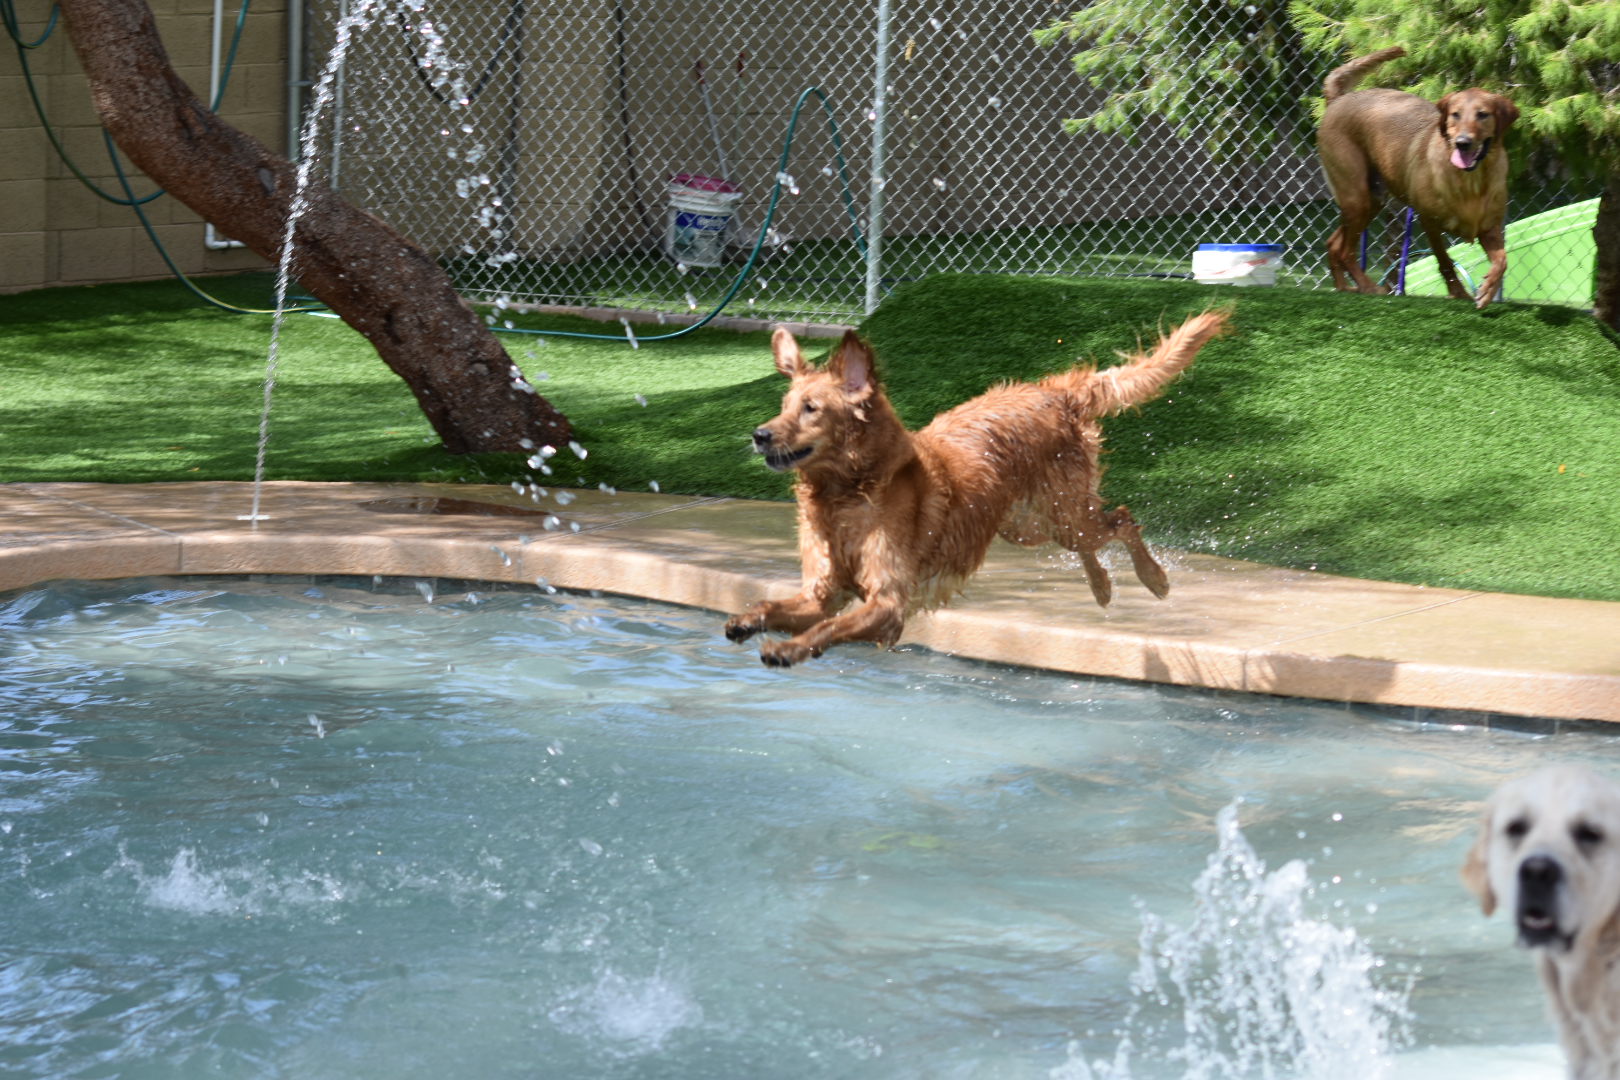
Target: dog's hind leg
<point>1083,530</point>
<point>1147,568</point>
<point>1088,531</point>
<point>1352,180</point>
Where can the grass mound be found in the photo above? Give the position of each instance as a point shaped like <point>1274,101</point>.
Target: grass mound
<point>1407,439</point>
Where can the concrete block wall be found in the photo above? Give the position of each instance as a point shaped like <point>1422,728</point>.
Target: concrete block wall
<point>54,230</point>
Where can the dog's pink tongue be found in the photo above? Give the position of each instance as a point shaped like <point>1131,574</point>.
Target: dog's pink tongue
<point>1462,162</point>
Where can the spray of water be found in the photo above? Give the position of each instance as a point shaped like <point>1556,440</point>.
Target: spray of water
<point>1254,985</point>
<point>363,14</point>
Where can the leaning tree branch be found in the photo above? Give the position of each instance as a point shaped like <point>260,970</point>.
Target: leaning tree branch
<point>369,274</point>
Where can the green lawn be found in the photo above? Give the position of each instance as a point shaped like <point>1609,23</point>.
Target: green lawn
<point>1407,439</point>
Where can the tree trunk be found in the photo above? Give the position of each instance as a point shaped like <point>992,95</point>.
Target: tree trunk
<point>1606,234</point>
<point>379,282</point>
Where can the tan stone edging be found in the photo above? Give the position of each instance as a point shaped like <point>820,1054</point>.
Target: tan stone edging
<point>1228,626</point>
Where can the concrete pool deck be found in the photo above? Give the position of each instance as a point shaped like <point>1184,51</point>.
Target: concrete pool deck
<point>1227,625</point>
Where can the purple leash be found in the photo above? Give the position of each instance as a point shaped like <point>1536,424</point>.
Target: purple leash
<point>1406,252</point>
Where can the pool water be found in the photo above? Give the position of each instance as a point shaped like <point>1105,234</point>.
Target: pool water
<point>357,828</point>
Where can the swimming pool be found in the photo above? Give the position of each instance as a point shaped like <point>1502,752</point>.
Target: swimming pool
<point>344,827</point>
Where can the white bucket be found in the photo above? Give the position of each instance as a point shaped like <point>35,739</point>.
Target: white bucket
<point>1237,264</point>
<point>700,209</point>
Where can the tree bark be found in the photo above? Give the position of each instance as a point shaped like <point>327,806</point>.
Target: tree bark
<point>1606,273</point>
<point>369,274</point>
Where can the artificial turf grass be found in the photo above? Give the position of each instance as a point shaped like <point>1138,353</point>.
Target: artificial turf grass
<point>1406,439</point>
<point>140,383</point>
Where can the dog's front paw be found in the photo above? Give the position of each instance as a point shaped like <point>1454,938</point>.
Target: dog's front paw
<point>743,627</point>
<point>784,653</point>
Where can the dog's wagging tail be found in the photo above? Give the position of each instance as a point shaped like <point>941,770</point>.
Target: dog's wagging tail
<point>892,521</point>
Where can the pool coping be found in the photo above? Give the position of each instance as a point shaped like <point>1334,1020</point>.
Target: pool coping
<point>1435,655</point>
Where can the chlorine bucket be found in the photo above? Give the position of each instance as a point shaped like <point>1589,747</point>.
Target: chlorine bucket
<point>1237,264</point>
<point>700,209</point>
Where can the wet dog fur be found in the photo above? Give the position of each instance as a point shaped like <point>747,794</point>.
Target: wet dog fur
<point>898,521</point>
<point>1443,159</point>
<point>1548,852</point>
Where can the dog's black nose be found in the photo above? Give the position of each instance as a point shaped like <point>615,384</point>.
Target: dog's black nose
<point>1539,874</point>
<point>762,437</point>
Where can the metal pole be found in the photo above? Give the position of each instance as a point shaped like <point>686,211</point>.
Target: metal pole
<point>874,214</point>
<point>334,175</point>
<point>295,75</point>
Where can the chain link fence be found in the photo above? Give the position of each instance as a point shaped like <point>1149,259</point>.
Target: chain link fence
<point>532,144</point>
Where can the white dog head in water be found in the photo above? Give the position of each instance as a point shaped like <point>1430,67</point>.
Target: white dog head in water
<point>1548,852</point>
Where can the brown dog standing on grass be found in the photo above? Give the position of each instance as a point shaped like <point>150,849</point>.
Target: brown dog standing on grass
<point>1443,159</point>
<point>900,520</point>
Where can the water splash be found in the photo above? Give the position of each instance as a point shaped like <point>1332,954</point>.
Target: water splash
<point>187,887</point>
<point>628,1016</point>
<point>1253,985</point>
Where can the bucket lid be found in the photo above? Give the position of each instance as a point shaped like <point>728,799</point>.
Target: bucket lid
<point>705,183</point>
<point>1241,247</point>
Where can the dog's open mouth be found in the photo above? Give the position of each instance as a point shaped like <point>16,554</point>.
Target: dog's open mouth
<point>1468,159</point>
<point>1538,928</point>
<point>783,460</point>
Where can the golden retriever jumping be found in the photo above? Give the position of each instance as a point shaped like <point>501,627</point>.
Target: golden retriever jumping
<point>900,520</point>
<point>1549,852</point>
<point>1440,158</point>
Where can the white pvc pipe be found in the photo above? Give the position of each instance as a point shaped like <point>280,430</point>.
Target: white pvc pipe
<point>295,76</point>
<point>211,238</point>
<point>874,214</point>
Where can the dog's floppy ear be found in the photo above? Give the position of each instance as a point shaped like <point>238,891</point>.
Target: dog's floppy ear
<point>789,360</point>
<point>852,365</point>
<point>1476,868</point>
<point>1506,113</point>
